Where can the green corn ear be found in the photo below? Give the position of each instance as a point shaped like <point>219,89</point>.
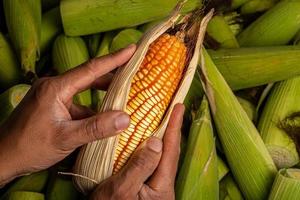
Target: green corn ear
<point>198,176</point>
<point>247,156</point>
<point>67,53</point>
<point>23,19</point>
<point>9,66</point>
<point>10,99</point>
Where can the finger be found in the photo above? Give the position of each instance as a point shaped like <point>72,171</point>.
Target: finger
<point>80,112</point>
<point>164,176</point>
<point>141,165</point>
<point>103,82</point>
<point>81,78</point>
<point>97,127</point>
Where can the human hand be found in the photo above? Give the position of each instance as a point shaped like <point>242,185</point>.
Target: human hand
<point>46,126</point>
<point>150,173</point>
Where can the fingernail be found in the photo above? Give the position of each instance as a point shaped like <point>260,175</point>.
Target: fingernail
<point>122,122</point>
<point>155,144</point>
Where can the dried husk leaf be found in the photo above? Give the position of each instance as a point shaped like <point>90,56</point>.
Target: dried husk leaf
<point>95,160</point>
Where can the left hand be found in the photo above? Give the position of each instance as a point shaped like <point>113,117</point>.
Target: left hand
<point>46,126</point>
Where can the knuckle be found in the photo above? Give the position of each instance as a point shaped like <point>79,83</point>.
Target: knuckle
<point>140,162</point>
<point>44,86</point>
<point>121,193</point>
<point>93,129</point>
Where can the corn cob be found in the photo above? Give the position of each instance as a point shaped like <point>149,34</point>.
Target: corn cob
<point>222,169</point>
<point>35,182</point>
<point>224,38</point>
<point>122,13</point>
<point>10,99</point>
<point>286,185</point>
<point>282,101</point>
<point>61,188</point>
<point>24,195</point>
<point>51,27</point>
<point>125,38</point>
<point>151,91</point>
<point>198,176</point>
<point>9,66</point>
<point>229,189</point>
<point>67,53</point>
<point>23,19</point>
<point>248,158</point>
<point>153,81</point>
<point>276,27</point>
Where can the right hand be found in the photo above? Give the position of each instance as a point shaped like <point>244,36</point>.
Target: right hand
<point>150,173</point>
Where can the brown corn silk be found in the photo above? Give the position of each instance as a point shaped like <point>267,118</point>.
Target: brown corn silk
<point>156,78</point>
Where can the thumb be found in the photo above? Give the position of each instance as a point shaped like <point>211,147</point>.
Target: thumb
<point>97,127</point>
<point>141,165</point>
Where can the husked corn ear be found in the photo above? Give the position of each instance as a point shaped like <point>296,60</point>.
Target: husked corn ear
<point>151,91</point>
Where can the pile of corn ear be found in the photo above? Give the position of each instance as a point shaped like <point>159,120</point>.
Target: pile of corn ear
<point>234,64</point>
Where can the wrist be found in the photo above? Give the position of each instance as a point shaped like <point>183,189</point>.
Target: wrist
<point>10,167</point>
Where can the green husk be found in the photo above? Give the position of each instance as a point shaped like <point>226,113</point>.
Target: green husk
<point>247,156</point>
<point>224,38</point>
<point>254,6</point>
<point>297,38</point>
<point>282,101</point>
<point>98,97</point>
<point>183,147</point>
<point>105,44</point>
<point>51,27</point>
<point>234,21</point>
<point>125,38</point>
<point>35,182</point>
<point>23,19</point>
<point>222,168</point>
<point>9,66</point>
<point>276,27</point>
<point>261,64</point>
<point>195,93</point>
<point>262,100</point>
<point>237,3</point>
<point>286,185</point>
<point>10,99</point>
<point>94,42</point>
<point>60,188</point>
<point>198,176</point>
<point>229,190</point>
<point>24,195</point>
<point>67,53</point>
<point>106,15</point>
<point>248,107</point>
